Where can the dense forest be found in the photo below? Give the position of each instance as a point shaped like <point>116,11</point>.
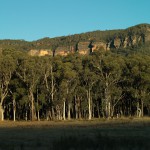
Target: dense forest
<point>112,83</point>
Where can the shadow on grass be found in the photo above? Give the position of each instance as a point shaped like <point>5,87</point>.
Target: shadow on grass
<point>101,142</point>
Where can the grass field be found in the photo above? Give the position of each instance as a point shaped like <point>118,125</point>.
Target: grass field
<point>122,134</point>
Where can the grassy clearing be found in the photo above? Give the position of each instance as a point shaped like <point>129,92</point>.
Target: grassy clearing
<point>76,135</point>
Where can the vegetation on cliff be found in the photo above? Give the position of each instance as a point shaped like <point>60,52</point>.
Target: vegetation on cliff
<point>130,37</point>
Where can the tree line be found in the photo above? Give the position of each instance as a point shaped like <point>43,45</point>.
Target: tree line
<point>103,84</point>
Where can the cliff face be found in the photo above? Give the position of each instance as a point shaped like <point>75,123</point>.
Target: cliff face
<point>42,52</point>
<point>100,45</point>
<point>131,37</point>
<point>83,48</point>
<point>128,41</point>
<point>63,50</point>
<point>147,35</point>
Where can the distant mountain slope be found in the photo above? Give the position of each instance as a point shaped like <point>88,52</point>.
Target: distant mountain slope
<point>84,43</point>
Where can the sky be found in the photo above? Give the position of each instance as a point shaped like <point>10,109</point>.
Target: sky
<point>35,19</point>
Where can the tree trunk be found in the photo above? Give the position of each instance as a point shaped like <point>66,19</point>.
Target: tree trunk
<point>14,109</point>
<point>58,112</point>
<point>33,114</point>
<point>1,107</point>
<point>76,107</point>
<point>89,104</point>
<point>106,97</point>
<point>76,111</point>
<point>38,112</point>
<point>79,109</point>
<point>26,115</point>
<point>59,115</point>
<point>98,111</point>
<point>52,92</point>
<point>64,115</point>
<point>48,115</point>
<point>109,109</point>
<point>1,113</point>
<point>38,115</point>
<point>32,107</point>
<point>80,114</point>
<point>142,112</point>
<point>14,115</point>
<point>138,110</point>
<point>68,111</point>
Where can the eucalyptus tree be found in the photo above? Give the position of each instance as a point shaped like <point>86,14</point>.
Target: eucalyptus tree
<point>29,72</point>
<point>41,101</point>
<point>109,68</point>
<point>48,72</point>
<point>80,104</point>
<point>68,84</point>
<point>89,78</point>
<point>79,91</point>
<point>15,86</point>
<point>17,94</point>
<point>7,68</point>
<point>139,70</point>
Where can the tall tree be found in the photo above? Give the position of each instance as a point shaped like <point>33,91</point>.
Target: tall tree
<point>68,84</point>
<point>139,69</point>
<point>50,83</point>
<point>109,68</point>
<point>89,79</point>
<point>29,72</point>
<point>7,68</point>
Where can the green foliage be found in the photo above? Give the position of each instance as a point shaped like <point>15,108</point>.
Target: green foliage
<point>116,79</point>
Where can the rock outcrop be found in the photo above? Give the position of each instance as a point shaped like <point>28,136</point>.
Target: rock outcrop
<point>99,45</point>
<point>64,50</point>
<point>117,42</point>
<point>128,41</point>
<point>134,40</point>
<point>147,35</point>
<point>83,48</point>
<point>42,52</point>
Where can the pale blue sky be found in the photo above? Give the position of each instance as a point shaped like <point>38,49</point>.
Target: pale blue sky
<point>35,19</point>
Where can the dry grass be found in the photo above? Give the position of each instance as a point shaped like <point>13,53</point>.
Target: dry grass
<point>67,123</point>
<point>80,134</point>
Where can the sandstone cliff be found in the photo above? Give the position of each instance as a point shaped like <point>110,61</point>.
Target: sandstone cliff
<point>42,52</point>
<point>93,41</point>
<point>83,48</point>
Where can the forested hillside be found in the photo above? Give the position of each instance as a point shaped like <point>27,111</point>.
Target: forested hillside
<point>109,78</point>
<point>129,38</point>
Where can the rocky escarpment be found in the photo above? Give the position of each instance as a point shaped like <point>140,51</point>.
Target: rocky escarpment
<point>118,39</point>
<point>125,42</point>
